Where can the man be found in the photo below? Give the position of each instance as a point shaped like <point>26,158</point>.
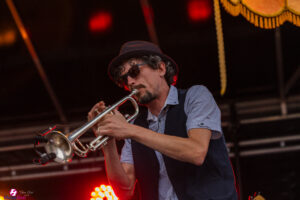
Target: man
<point>176,148</point>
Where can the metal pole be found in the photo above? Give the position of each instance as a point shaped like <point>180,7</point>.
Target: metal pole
<point>36,59</point>
<point>50,165</point>
<point>292,80</point>
<point>280,71</point>
<point>50,174</point>
<point>233,129</point>
<point>148,15</point>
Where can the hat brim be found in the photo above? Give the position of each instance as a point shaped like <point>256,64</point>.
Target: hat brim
<point>117,61</point>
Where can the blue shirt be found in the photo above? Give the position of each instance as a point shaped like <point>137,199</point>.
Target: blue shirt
<point>202,112</point>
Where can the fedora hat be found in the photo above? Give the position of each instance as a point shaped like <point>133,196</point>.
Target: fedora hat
<point>137,49</point>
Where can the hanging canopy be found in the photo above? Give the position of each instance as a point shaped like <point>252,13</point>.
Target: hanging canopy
<point>266,14</point>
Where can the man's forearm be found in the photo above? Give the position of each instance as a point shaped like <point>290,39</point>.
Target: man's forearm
<point>192,149</point>
<point>116,174</point>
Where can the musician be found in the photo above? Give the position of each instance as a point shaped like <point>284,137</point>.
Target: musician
<point>175,148</point>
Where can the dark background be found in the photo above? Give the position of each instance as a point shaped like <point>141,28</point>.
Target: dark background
<point>75,60</point>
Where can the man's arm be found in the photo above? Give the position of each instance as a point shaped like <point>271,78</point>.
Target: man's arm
<point>192,149</point>
<point>120,175</point>
<point>203,116</point>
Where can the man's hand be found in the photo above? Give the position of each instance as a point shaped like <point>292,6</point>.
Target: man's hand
<point>96,110</point>
<point>115,125</point>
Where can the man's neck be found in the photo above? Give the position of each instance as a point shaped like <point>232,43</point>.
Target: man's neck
<point>157,104</point>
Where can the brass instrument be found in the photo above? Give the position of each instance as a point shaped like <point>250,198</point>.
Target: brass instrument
<point>63,146</point>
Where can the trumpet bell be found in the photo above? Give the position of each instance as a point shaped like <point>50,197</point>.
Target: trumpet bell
<point>59,144</point>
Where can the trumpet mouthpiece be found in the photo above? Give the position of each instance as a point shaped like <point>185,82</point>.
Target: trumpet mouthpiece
<point>134,91</point>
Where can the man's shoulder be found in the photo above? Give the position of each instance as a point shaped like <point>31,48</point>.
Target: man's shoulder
<point>197,90</point>
<point>198,87</point>
<point>196,93</point>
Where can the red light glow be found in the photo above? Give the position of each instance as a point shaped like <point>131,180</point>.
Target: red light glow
<point>100,22</point>
<point>175,80</point>
<point>103,192</point>
<point>8,37</point>
<point>148,13</point>
<point>199,10</point>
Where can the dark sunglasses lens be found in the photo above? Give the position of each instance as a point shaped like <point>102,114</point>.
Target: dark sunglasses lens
<point>134,71</point>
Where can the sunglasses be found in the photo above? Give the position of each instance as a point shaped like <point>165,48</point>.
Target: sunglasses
<point>133,72</point>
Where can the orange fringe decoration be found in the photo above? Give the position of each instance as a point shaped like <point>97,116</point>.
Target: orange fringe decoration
<point>259,20</point>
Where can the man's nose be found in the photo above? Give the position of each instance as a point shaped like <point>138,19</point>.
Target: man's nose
<point>130,81</point>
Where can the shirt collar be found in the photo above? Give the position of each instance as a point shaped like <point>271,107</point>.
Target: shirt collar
<point>172,99</point>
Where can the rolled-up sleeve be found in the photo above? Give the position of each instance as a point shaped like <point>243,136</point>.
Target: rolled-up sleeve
<point>126,154</point>
<point>202,111</point>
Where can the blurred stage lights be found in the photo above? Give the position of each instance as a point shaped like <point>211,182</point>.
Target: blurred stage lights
<point>100,22</point>
<point>104,192</point>
<point>199,10</point>
<point>8,38</point>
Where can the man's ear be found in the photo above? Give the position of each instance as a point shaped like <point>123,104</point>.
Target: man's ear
<point>162,68</point>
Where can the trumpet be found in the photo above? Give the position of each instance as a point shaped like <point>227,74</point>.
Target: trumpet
<point>61,147</point>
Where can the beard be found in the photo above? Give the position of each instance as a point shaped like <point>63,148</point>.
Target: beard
<point>147,98</point>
